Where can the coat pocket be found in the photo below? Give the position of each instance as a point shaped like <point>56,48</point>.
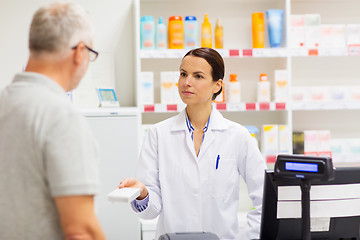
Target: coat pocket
<point>223,179</point>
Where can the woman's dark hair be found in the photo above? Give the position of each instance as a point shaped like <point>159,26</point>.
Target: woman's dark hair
<point>214,59</point>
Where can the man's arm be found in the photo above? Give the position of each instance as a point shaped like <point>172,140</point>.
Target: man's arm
<point>77,217</point>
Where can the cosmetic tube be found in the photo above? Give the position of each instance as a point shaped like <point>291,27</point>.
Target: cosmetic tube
<point>275,25</point>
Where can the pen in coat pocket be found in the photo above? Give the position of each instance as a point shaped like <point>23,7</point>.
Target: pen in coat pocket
<point>217,161</point>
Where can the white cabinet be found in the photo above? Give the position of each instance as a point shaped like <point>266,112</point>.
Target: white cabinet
<point>116,131</point>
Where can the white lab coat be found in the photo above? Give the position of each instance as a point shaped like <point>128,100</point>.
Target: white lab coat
<point>188,192</point>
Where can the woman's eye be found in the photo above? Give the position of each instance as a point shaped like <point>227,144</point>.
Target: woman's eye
<point>198,76</point>
<point>183,74</point>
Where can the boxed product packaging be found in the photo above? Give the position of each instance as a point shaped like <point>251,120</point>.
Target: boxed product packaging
<point>298,142</point>
<point>312,30</point>
<point>281,86</point>
<point>300,94</point>
<point>355,93</point>
<point>167,88</point>
<point>147,87</point>
<point>339,93</point>
<point>270,142</point>
<point>333,36</point>
<point>319,94</point>
<point>353,34</point>
<point>317,142</point>
<point>284,139</point>
<point>175,77</point>
<point>297,31</point>
<point>345,150</point>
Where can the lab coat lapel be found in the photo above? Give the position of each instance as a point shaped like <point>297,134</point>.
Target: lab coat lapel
<point>180,125</point>
<point>190,145</point>
<point>217,123</point>
<point>208,140</point>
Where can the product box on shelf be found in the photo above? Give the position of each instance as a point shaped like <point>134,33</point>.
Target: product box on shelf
<point>169,87</point>
<point>346,150</point>
<point>297,31</point>
<point>147,87</point>
<point>319,93</point>
<point>317,142</point>
<point>355,93</point>
<point>270,142</point>
<point>281,86</point>
<point>312,30</point>
<point>333,36</point>
<point>298,142</point>
<point>284,139</point>
<point>339,93</point>
<point>299,93</point>
<point>353,34</point>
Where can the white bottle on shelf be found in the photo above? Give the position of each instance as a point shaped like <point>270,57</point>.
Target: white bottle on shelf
<point>233,90</point>
<point>263,89</point>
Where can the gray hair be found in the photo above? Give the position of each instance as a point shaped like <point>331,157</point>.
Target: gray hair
<point>58,27</point>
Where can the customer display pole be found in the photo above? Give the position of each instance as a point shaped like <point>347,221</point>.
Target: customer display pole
<point>305,186</point>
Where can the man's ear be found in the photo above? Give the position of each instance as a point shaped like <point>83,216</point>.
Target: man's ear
<point>79,54</point>
<point>218,85</point>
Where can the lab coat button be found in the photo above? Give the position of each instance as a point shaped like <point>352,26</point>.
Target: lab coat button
<point>196,191</point>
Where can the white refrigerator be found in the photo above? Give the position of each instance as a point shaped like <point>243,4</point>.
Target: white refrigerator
<point>117,134</point>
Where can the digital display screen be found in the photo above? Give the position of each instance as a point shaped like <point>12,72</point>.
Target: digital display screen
<point>107,95</point>
<point>301,167</point>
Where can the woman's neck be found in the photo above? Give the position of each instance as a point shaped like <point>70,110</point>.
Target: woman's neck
<point>198,116</point>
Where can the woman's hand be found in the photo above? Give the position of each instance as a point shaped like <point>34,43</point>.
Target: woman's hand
<point>134,183</point>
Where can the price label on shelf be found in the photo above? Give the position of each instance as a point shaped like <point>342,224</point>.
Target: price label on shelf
<point>313,52</point>
<point>264,106</point>
<point>149,108</point>
<point>247,52</point>
<point>280,106</point>
<point>250,106</point>
<point>171,107</point>
<point>162,54</point>
<point>354,50</point>
<point>259,52</point>
<point>224,53</point>
<point>234,53</point>
<point>325,52</point>
<point>145,53</point>
<point>160,107</point>
<point>332,51</point>
<point>299,52</point>
<point>221,106</point>
<point>235,107</point>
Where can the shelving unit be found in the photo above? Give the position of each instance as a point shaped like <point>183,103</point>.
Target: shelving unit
<point>321,67</point>
<point>306,67</point>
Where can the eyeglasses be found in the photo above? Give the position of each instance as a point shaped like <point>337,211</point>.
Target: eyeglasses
<point>93,54</point>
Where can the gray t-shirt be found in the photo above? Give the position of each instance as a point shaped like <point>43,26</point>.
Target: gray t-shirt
<point>46,150</point>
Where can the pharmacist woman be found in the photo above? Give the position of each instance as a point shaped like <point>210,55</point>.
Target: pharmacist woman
<point>190,164</point>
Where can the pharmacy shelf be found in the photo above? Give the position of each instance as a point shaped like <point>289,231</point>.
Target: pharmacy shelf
<point>225,53</point>
<point>326,105</point>
<point>326,52</point>
<point>229,107</point>
<point>257,52</point>
<point>318,67</point>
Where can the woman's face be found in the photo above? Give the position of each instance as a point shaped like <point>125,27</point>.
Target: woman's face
<point>196,85</point>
